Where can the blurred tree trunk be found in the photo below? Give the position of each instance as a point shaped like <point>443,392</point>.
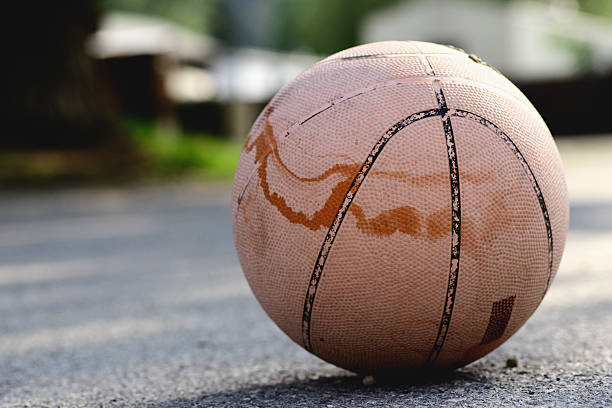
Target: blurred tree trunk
<point>55,97</point>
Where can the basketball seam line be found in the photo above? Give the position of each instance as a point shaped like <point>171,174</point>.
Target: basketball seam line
<point>392,55</point>
<point>358,180</point>
<point>530,175</point>
<point>340,214</point>
<point>453,166</point>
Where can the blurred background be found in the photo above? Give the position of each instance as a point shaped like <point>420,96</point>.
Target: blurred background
<point>116,90</point>
<point>124,120</point>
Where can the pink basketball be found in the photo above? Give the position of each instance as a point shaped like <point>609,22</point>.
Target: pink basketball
<point>399,206</point>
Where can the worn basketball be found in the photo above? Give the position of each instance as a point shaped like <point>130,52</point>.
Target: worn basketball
<point>399,206</point>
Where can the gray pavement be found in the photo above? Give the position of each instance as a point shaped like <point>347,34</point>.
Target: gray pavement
<point>133,297</point>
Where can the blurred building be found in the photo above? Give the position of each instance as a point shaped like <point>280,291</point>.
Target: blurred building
<point>560,57</point>
<point>247,78</point>
<point>159,70</point>
<point>147,63</point>
<point>524,40</point>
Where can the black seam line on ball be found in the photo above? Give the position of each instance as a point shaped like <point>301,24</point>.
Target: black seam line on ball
<point>530,175</point>
<point>427,65</point>
<point>392,55</point>
<point>453,274</point>
<point>317,272</point>
<point>377,56</point>
<point>317,113</point>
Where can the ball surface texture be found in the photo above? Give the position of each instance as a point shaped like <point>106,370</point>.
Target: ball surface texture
<point>399,206</point>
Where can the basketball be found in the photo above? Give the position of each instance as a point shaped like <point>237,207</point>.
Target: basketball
<point>399,206</point>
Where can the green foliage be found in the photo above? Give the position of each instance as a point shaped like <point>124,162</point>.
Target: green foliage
<point>195,14</point>
<point>150,153</point>
<point>167,153</point>
<point>601,7</point>
<point>323,26</point>
<point>582,52</point>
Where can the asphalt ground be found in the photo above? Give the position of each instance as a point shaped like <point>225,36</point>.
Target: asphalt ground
<point>133,297</point>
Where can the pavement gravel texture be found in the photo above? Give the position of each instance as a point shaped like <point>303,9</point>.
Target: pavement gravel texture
<point>133,297</point>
